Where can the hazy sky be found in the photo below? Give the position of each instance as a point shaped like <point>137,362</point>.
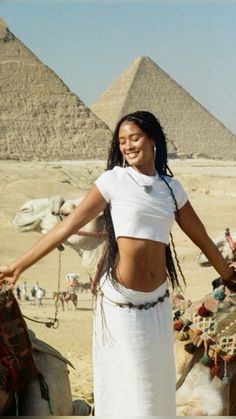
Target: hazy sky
<point>90,43</point>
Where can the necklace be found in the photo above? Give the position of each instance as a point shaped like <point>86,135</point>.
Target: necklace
<point>145,183</point>
<point>147,188</point>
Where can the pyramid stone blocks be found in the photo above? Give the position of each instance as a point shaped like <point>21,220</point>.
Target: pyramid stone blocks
<point>40,118</point>
<point>191,130</point>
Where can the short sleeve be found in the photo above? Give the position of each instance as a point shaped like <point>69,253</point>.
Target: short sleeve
<point>105,185</point>
<point>179,193</point>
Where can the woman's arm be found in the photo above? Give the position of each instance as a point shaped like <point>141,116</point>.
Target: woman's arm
<point>89,208</point>
<point>192,226</point>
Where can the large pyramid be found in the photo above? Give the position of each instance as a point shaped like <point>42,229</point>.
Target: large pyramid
<point>40,118</point>
<point>191,130</point>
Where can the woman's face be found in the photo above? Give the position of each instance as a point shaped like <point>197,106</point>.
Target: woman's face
<point>136,147</point>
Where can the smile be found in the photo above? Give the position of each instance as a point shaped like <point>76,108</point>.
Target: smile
<point>132,155</point>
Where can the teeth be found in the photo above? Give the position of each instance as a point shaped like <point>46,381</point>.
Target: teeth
<point>132,155</point>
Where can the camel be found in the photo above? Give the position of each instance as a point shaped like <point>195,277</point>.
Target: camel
<point>223,245</point>
<point>42,214</point>
<point>53,369</point>
<point>197,393</point>
<point>53,366</point>
<point>205,349</point>
<point>65,297</point>
<point>86,286</point>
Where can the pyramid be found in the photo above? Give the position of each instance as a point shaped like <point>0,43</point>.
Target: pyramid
<point>191,130</point>
<point>40,118</point>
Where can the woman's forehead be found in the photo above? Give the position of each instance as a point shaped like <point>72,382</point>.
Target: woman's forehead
<point>129,126</point>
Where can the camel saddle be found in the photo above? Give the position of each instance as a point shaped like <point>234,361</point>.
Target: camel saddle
<point>17,366</point>
<point>40,346</point>
<point>214,318</point>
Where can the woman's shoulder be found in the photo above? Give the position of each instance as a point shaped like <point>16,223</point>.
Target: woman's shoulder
<point>177,189</point>
<point>111,174</point>
<point>116,171</point>
<point>172,181</point>
<point>175,185</point>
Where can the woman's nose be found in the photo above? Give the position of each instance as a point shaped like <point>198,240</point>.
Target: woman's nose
<point>129,145</point>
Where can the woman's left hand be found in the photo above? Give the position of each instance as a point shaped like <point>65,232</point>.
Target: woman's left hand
<point>231,282</point>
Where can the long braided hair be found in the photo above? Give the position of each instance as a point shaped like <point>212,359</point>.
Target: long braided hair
<point>151,126</point>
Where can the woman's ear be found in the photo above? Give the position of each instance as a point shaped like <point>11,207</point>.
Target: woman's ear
<point>153,142</point>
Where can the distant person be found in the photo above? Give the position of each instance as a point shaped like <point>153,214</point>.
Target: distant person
<point>34,290</point>
<point>25,291</point>
<point>40,293</point>
<point>72,279</point>
<point>18,293</point>
<point>133,357</point>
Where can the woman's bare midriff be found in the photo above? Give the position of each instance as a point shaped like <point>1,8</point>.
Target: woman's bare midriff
<point>141,265</point>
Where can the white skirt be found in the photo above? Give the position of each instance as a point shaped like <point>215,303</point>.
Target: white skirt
<point>133,358</point>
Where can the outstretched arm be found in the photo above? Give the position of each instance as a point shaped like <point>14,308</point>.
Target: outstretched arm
<point>192,226</point>
<point>89,208</point>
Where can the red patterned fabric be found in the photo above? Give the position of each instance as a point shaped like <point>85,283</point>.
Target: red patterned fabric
<point>17,367</point>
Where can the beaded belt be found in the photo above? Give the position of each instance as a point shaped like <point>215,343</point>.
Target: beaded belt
<point>144,306</point>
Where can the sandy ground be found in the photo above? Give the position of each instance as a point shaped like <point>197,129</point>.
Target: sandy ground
<point>211,189</point>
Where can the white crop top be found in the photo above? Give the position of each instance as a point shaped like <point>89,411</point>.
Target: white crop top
<point>136,212</point>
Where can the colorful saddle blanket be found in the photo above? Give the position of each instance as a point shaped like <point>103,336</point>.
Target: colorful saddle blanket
<point>17,366</point>
<point>214,318</point>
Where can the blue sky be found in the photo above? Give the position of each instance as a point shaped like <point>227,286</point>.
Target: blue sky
<point>90,43</point>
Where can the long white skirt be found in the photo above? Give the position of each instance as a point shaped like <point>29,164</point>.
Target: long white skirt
<point>133,359</point>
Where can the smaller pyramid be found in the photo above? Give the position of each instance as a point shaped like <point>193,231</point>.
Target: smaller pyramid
<point>191,130</point>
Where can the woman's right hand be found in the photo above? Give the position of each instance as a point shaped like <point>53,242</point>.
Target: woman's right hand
<point>8,276</point>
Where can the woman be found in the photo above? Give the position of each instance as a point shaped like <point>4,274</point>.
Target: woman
<point>134,371</point>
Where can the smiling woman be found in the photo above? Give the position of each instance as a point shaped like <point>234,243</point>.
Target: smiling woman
<point>137,148</point>
<point>133,359</point>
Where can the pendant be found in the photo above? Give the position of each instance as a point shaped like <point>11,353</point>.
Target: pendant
<point>147,188</point>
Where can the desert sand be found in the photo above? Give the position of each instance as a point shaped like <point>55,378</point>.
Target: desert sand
<point>211,189</point>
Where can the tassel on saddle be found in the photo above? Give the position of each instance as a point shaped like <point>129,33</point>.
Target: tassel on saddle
<point>95,280</point>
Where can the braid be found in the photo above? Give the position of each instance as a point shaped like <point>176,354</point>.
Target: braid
<point>169,259</point>
<point>151,126</point>
<point>112,244</point>
<point>177,261</point>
